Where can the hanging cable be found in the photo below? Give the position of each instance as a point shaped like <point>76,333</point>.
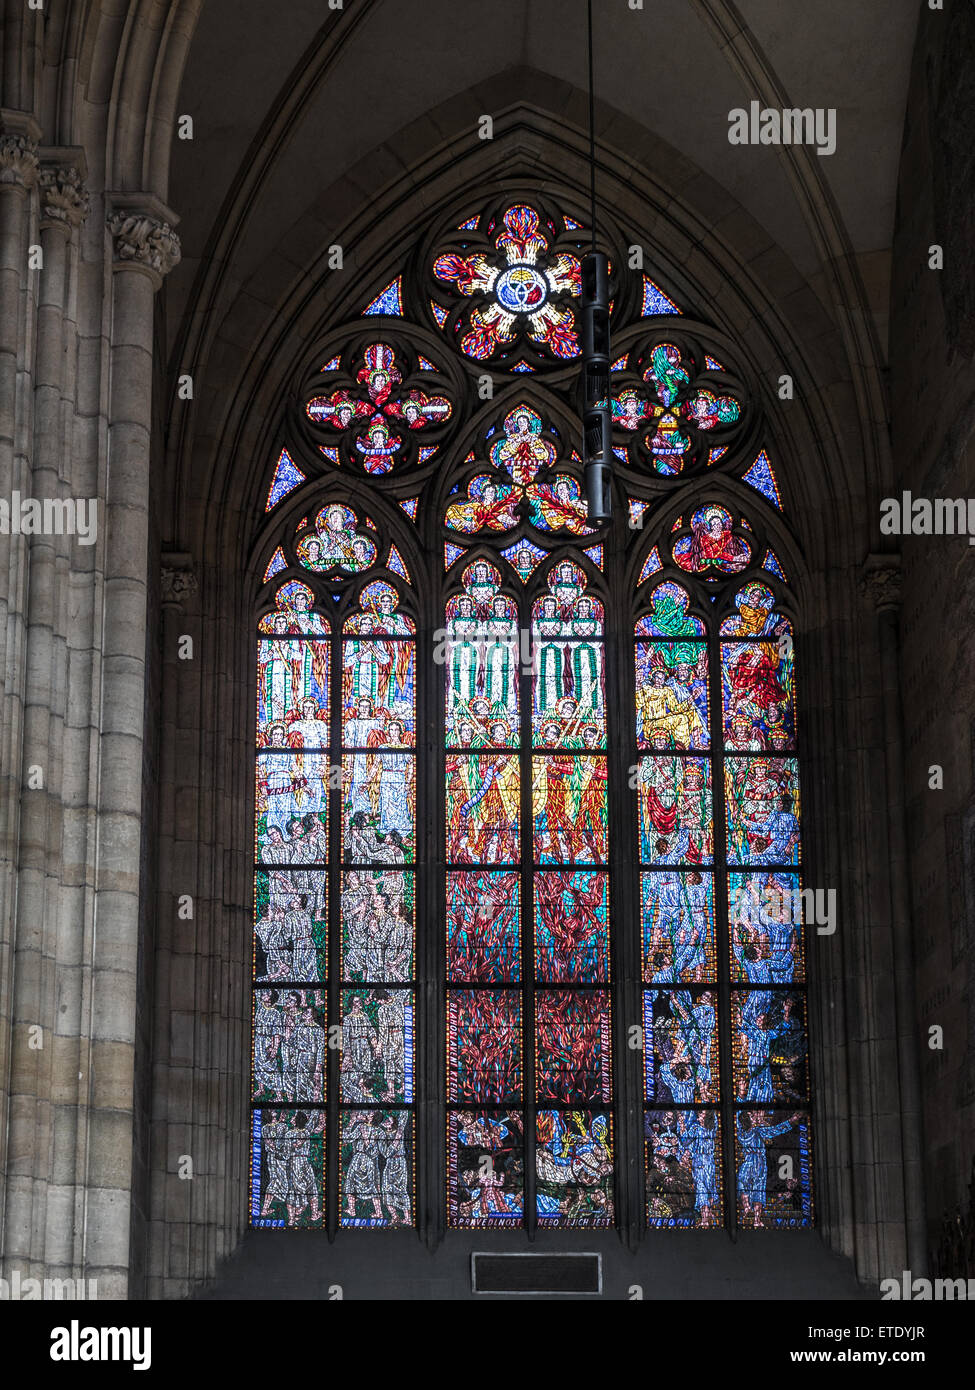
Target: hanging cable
<point>597,419</point>
<point>592,140</point>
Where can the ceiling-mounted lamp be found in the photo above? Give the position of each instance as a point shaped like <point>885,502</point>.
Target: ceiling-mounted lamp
<point>597,417</point>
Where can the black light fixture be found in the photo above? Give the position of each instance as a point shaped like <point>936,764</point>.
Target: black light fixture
<point>597,417</point>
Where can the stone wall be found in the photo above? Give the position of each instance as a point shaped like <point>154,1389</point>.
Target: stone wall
<point>80,264</point>
<point>933,436</point>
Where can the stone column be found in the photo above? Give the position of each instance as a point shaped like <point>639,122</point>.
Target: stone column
<point>43,1050</point>
<point>18,175</point>
<point>881,585</point>
<point>183,1026</point>
<point>145,247</point>
<point>64,206</point>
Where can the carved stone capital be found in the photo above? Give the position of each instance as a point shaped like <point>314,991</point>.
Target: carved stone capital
<point>18,159</point>
<point>144,242</point>
<point>143,234</point>
<point>881,582</point>
<point>64,198</point>
<point>177,580</point>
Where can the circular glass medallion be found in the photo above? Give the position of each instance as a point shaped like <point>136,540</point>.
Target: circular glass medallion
<point>521,289</point>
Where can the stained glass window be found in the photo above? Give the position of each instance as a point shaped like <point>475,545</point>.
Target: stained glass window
<point>522,460</point>
<point>335,925</point>
<point>372,412</point>
<point>724,1015</point>
<point>529,1016</point>
<point>438,938</point>
<point>520,270</point>
<point>677,408</point>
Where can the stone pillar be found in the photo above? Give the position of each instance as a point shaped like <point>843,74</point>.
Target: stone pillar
<point>183,1027</point>
<point>18,176</point>
<point>64,207</point>
<point>881,585</point>
<point>43,1040</point>
<point>145,247</point>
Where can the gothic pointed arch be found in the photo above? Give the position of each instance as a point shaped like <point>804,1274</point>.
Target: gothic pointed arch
<point>425,498</point>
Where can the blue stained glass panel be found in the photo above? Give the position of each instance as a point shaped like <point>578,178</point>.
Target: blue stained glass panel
<point>774,1168</point>
<point>655,301</point>
<point>287,476</point>
<point>683,1168</point>
<point>762,478</point>
<point>678,927</point>
<point>388,301</point>
<point>769,1046</point>
<point>680,1046</point>
<point>276,564</point>
<point>771,563</point>
<point>766,911</point>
